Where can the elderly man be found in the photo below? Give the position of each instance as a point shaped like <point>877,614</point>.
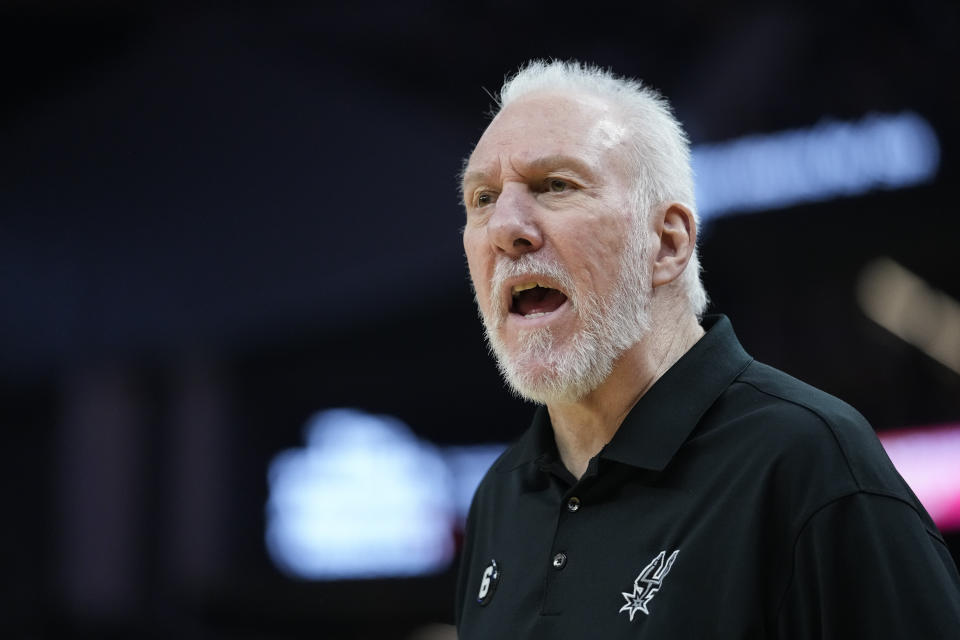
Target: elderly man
<point>670,486</point>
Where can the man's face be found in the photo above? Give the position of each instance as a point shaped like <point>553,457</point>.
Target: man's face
<point>547,195</point>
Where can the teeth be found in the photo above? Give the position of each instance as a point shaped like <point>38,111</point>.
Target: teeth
<point>535,315</point>
<point>517,288</point>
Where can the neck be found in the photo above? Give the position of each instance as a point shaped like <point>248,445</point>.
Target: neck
<point>584,427</point>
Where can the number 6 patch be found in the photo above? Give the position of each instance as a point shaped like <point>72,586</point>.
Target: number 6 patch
<point>488,583</point>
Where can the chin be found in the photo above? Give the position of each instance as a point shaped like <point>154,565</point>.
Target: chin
<point>545,389</point>
<point>553,375</point>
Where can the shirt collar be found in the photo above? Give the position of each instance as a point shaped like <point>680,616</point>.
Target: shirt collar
<point>537,443</point>
<point>665,415</point>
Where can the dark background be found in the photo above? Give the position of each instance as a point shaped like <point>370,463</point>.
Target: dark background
<point>218,218</point>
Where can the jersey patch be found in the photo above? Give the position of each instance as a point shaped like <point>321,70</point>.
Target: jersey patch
<point>647,584</point>
<point>488,583</point>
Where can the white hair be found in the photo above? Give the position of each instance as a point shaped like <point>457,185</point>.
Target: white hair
<point>657,146</point>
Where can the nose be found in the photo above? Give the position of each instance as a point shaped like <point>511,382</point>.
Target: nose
<point>513,227</point>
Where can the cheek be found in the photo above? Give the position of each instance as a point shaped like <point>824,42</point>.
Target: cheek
<point>477,263</point>
<point>596,256</point>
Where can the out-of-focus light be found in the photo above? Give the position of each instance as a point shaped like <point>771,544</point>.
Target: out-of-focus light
<point>906,306</point>
<point>366,498</point>
<point>927,460</point>
<point>828,160</point>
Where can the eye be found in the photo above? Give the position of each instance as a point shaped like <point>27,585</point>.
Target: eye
<point>484,198</point>
<point>556,185</point>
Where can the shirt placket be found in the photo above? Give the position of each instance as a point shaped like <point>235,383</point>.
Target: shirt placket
<point>564,551</point>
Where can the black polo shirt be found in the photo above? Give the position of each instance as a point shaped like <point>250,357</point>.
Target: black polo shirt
<point>733,502</point>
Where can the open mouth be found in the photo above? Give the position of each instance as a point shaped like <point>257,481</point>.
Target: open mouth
<point>533,300</point>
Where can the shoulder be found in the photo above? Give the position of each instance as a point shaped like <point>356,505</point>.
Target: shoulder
<point>813,445</point>
<point>504,480</point>
<point>499,483</point>
<point>813,417</point>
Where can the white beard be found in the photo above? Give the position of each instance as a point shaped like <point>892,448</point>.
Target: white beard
<point>545,369</point>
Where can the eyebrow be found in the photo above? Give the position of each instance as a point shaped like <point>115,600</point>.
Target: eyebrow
<point>561,161</point>
<point>476,175</point>
<point>541,164</point>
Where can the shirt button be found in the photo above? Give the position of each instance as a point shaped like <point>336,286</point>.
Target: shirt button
<point>573,504</point>
<point>559,560</point>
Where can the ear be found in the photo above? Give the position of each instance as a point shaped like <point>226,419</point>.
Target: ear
<point>676,229</point>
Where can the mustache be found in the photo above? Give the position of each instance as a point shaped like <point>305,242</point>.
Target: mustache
<point>527,265</point>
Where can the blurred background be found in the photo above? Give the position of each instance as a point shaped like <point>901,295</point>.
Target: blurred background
<point>244,391</point>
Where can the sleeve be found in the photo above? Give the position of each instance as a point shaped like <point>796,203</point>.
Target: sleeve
<point>868,566</point>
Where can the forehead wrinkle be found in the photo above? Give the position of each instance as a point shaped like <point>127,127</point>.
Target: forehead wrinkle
<point>522,167</point>
<point>608,127</point>
<point>603,131</point>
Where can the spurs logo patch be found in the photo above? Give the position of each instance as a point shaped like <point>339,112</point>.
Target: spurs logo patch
<point>647,584</point>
